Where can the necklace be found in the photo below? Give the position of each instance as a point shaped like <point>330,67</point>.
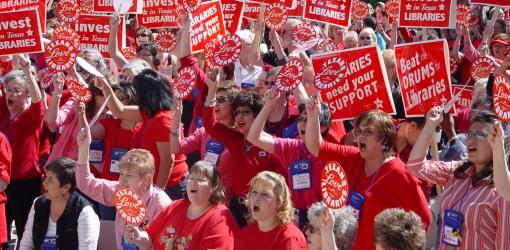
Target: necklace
<point>247,147</point>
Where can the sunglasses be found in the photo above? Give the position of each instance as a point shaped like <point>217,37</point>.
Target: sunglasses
<point>364,38</point>
<point>479,135</point>
<point>269,83</point>
<point>142,35</point>
<point>242,112</point>
<point>221,99</point>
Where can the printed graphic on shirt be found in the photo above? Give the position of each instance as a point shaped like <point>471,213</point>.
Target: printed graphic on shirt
<point>173,241</point>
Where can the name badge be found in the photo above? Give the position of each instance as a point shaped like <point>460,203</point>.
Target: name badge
<point>300,173</point>
<point>246,85</point>
<point>199,122</point>
<point>356,201</point>
<point>49,243</point>
<point>96,151</point>
<point>290,131</point>
<point>452,227</point>
<point>115,155</point>
<point>213,150</point>
<point>128,246</point>
<point>194,93</point>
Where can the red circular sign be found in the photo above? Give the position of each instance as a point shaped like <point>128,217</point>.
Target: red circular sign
<point>59,56</point>
<point>46,77</point>
<point>70,82</point>
<point>184,82</point>
<point>453,66</point>
<point>463,14</point>
<point>66,33</point>
<point>191,5</point>
<point>166,41</point>
<point>289,76</point>
<point>86,6</point>
<point>227,50</point>
<point>482,68</point>
<point>81,93</point>
<point>333,71</point>
<point>334,186</point>
<point>209,53</point>
<point>68,11</point>
<point>392,8</point>
<point>130,206</point>
<point>303,33</point>
<point>129,53</point>
<point>359,10</point>
<point>501,97</point>
<point>275,16</point>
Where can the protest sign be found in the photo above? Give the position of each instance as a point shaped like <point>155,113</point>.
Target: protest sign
<point>499,3</point>
<point>287,3</point>
<point>60,55</point>
<point>68,11</point>
<point>334,186</point>
<point>209,49</point>
<point>465,97</point>
<point>336,12</point>
<point>251,10</point>
<point>130,206</point>
<point>86,6</point>
<point>303,33</point>
<point>431,14</point>
<point>463,15</point>
<point>392,8</point>
<point>232,13</point>
<point>184,82</point>
<point>45,77</point>
<point>80,93</point>
<point>207,24</point>
<point>298,10</point>
<point>482,68</point>
<point>501,97</point>
<point>20,32</point>
<point>424,76</point>
<point>453,66</point>
<point>160,14</point>
<point>165,41</point>
<point>129,53</point>
<point>106,6</point>
<point>64,32</point>
<point>94,32</point>
<point>39,5</point>
<point>227,50</point>
<point>275,16</point>
<point>289,76</point>
<point>359,10</point>
<point>353,81</point>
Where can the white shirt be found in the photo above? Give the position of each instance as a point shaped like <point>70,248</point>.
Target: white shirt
<point>241,75</point>
<point>88,229</point>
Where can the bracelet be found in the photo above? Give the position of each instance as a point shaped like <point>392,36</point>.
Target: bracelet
<point>175,133</point>
<point>210,103</point>
<point>187,30</point>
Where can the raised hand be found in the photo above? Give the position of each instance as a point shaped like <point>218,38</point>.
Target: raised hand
<point>496,135</point>
<point>435,116</point>
<point>83,138</point>
<point>313,105</point>
<point>271,97</point>
<point>114,20</point>
<point>100,83</point>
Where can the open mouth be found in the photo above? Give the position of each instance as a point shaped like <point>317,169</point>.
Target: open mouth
<point>362,146</point>
<point>193,191</point>
<point>240,124</point>
<point>256,208</point>
<point>472,149</point>
<point>302,132</point>
<point>10,102</point>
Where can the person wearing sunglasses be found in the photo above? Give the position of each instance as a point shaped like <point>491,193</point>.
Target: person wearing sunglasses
<point>367,37</point>
<point>211,151</point>
<point>377,179</point>
<point>474,215</point>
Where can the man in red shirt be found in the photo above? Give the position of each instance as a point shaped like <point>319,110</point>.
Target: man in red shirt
<point>21,120</point>
<point>5,174</point>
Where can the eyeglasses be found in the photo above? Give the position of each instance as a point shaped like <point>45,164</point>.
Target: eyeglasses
<point>302,119</point>
<point>15,91</point>
<point>221,99</point>
<point>357,132</point>
<point>242,112</point>
<point>479,135</point>
<point>142,35</point>
<point>269,83</point>
<point>193,179</point>
<point>364,38</point>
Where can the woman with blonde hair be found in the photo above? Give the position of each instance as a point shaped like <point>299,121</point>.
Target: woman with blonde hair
<point>271,209</point>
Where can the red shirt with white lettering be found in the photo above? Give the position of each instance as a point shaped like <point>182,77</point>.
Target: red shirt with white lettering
<point>282,237</point>
<point>215,229</point>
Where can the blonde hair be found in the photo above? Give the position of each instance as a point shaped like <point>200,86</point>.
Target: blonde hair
<point>284,212</point>
<point>140,160</point>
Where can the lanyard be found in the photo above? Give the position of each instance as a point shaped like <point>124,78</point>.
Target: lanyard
<point>371,181</point>
<point>461,199</point>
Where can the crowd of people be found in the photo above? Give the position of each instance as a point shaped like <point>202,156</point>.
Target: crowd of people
<point>237,164</point>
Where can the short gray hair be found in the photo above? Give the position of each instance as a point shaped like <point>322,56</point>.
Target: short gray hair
<point>345,227</point>
<point>98,57</point>
<point>137,65</point>
<point>16,75</point>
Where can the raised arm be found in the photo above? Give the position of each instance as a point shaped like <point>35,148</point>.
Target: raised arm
<point>277,45</point>
<point>394,34</point>
<point>459,32</point>
<point>130,113</point>
<point>175,142</point>
<point>254,49</point>
<point>184,37</point>
<point>257,136</point>
<point>33,87</point>
<point>501,173</point>
<point>313,129</point>
<point>51,114</point>
<point>113,45</point>
<point>421,147</point>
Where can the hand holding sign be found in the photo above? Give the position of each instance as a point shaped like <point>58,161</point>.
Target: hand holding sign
<point>228,50</point>
<point>130,206</point>
<point>289,76</point>
<point>275,16</point>
<point>334,187</point>
<point>435,116</point>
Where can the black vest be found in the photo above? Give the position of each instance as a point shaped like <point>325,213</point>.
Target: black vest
<point>67,224</point>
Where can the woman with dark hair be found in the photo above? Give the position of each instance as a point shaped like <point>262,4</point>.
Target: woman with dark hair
<point>61,218</point>
<point>153,109</point>
<point>373,172</point>
<point>199,221</point>
<point>149,53</point>
<point>475,216</point>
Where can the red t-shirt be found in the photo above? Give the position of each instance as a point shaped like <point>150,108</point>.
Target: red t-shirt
<point>336,132</point>
<point>462,120</point>
<point>215,229</point>
<point>116,139</point>
<point>23,133</point>
<point>5,163</point>
<point>426,187</point>
<point>157,129</point>
<point>282,237</point>
<point>247,160</point>
<point>392,187</point>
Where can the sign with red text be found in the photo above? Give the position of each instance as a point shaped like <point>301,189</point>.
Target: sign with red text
<point>165,41</point>
<point>304,33</point>
<point>465,97</point>
<point>228,50</point>
<point>298,10</point>
<point>129,53</point>
<point>209,49</point>
<point>359,10</point>
<point>39,5</point>
<point>106,6</point>
<point>289,76</point>
<point>68,11</point>
<point>500,3</point>
<point>160,14</point>
<point>94,32</point>
<point>45,77</point>
<point>287,3</point>
<point>184,82</point>
<point>336,12</point>
<point>232,13</point>
<point>191,6</point>
<point>80,93</point>
<point>86,6</point>
<point>275,16</point>
<point>463,15</point>
<point>20,32</point>
<point>251,11</point>
<point>60,55</point>
<point>482,68</point>
<point>207,24</point>
<point>64,32</point>
<point>130,206</point>
<point>501,97</point>
<point>334,186</point>
<point>424,76</point>
<point>392,8</point>
<point>431,14</point>
<point>352,81</point>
